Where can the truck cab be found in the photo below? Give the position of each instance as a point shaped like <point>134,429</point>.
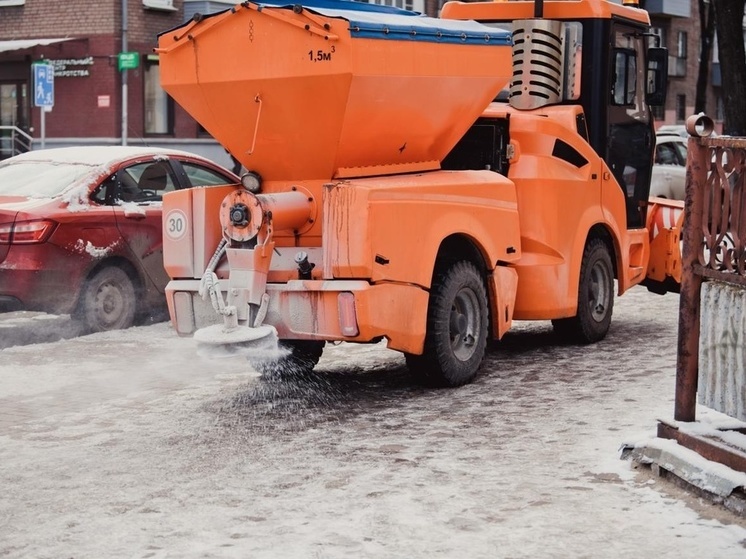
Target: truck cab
<point>578,140</point>
<point>599,47</point>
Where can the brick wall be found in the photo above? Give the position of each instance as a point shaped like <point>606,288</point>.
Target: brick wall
<point>45,18</point>
<point>76,112</point>
<point>685,85</point>
<point>88,96</point>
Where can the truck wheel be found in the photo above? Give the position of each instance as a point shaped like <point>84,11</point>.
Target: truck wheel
<point>107,301</point>
<point>456,328</point>
<point>595,298</point>
<point>302,357</point>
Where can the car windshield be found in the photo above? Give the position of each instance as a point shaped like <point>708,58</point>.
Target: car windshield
<point>40,179</point>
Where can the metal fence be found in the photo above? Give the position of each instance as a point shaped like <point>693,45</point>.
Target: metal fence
<point>712,309</point>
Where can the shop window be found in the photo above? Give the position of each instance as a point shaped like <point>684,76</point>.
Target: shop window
<point>681,44</point>
<point>159,107</point>
<point>165,5</point>
<point>677,58</point>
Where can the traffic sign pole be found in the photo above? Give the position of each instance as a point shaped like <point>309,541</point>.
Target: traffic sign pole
<point>43,94</point>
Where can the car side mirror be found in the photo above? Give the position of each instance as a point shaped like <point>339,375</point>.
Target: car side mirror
<point>657,76</point>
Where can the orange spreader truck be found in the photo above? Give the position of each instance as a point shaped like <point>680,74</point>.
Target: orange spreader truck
<point>420,180</point>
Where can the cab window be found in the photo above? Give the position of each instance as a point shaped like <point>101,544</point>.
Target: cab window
<point>624,85</point>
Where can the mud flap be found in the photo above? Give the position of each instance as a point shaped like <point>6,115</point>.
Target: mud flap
<point>503,286</point>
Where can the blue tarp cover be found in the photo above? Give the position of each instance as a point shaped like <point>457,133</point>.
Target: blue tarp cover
<point>383,22</point>
<point>372,21</point>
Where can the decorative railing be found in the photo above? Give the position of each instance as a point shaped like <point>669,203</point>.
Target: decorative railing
<point>721,200</point>
<point>711,354</point>
<point>714,245</point>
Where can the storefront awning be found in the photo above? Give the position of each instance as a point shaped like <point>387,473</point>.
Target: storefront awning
<point>21,44</point>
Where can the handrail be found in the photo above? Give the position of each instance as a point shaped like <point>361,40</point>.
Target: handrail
<point>18,140</point>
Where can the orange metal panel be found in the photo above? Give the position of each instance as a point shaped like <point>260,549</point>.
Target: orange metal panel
<point>370,224</point>
<point>665,225</point>
<point>187,255</point>
<point>558,206</point>
<point>557,9</point>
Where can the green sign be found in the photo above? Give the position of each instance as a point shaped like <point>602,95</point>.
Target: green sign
<point>128,60</point>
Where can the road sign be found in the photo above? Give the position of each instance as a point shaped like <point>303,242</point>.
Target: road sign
<point>128,60</point>
<point>43,85</point>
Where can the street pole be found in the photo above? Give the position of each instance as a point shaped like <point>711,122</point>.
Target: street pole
<point>43,126</point>
<point>124,74</point>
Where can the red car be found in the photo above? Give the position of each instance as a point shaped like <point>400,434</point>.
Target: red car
<point>80,230</point>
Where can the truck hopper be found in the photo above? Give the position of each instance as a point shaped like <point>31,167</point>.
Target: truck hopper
<point>333,89</point>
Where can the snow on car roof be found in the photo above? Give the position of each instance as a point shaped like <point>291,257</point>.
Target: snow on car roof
<point>75,168</point>
<point>94,155</point>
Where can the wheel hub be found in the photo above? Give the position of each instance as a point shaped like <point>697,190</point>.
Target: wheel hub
<point>464,324</point>
<point>458,322</point>
<point>598,292</point>
<point>109,301</point>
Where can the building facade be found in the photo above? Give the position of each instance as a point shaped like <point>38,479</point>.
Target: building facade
<point>676,22</point>
<point>83,40</point>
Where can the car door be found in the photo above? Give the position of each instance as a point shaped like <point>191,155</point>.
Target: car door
<point>137,202</point>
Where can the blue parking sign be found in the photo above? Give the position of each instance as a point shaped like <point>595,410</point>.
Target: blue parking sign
<point>43,85</point>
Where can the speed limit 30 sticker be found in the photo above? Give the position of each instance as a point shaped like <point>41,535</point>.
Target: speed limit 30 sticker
<point>175,224</point>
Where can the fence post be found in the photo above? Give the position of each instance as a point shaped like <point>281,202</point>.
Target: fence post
<point>687,361</point>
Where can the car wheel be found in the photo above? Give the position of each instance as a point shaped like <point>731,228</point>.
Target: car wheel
<point>457,323</point>
<point>107,301</point>
<point>595,298</point>
<point>298,359</point>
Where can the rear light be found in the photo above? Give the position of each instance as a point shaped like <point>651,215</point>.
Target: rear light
<point>347,314</point>
<point>26,232</point>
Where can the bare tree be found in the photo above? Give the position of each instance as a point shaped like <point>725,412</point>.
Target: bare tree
<point>706,33</point>
<point>729,24</point>
<point>432,7</point>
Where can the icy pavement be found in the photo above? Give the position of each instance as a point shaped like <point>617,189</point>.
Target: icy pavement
<point>25,327</point>
<point>130,444</point>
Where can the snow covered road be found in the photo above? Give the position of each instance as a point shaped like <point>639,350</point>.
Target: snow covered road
<point>131,444</point>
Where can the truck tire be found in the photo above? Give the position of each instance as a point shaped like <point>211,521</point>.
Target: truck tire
<point>107,301</point>
<point>457,325</point>
<point>595,298</point>
<point>302,357</point>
